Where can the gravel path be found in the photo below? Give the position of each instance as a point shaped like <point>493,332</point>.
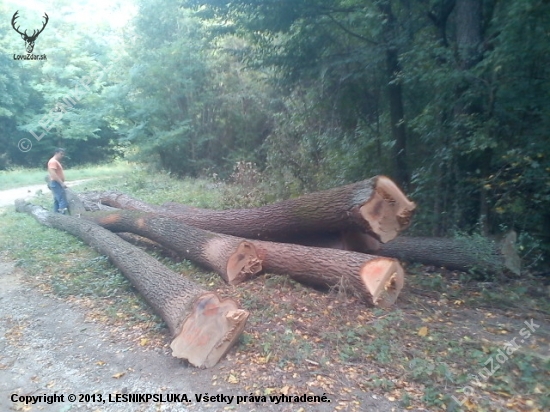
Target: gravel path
<point>7,197</point>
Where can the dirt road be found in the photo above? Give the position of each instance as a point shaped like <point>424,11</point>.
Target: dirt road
<point>48,346</point>
<point>7,197</point>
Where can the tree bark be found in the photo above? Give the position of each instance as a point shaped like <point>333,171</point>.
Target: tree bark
<point>439,15</point>
<point>395,94</point>
<point>483,256</point>
<point>149,245</point>
<point>376,279</point>
<point>203,326</point>
<point>234,259</point>
<point>375,206</point>
<point>468,32</point>
<point>76,205</point>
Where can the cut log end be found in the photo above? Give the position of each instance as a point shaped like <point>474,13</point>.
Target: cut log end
<point>384,279</point>
<point>243,264</point>
<point>209,331</point>
<point>388,211</point>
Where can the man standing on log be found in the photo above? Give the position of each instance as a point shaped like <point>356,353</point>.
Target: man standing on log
<point>56,182</point>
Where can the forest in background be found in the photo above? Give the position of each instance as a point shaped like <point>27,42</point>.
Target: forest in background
<point>450,98</point>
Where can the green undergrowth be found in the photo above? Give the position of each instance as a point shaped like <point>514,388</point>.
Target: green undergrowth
<point>426,349</point>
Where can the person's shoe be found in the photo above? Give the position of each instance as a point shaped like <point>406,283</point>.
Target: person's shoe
<point>63,211</point>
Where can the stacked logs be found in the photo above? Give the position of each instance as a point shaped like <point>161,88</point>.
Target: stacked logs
<point>340,237</point>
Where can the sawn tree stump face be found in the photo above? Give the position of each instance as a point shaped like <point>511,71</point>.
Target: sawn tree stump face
<point>182,304</point>
<point>209,317</point>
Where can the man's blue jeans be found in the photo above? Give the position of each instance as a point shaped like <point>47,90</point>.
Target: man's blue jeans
<point>59,197</point>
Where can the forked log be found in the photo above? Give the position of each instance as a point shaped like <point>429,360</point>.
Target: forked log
<point>375,206</point>
<point>377,280</point>
<point>467,254</point>
<point>203,326</point>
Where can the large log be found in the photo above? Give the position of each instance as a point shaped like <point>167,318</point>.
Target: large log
<point>467,254</point>
<point>377,280</point>
<point>375,206</point>
<point>203,326</point>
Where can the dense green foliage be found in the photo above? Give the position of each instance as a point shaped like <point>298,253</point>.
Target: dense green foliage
<point>58,99</point>
<point>448,97</point>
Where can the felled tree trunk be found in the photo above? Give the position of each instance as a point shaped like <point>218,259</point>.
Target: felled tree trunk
<point>375,206</point>
<point>76,206</point>
<point>203,326</point>
<point>377,280</point>
<point>234,259</point>
<point>479,255</point>
<point>149,245</point>
<point>465,254</point>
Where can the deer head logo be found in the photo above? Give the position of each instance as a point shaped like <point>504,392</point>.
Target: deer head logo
<point>29,40</point>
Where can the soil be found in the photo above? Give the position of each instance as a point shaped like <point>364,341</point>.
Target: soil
<point>52,346</point>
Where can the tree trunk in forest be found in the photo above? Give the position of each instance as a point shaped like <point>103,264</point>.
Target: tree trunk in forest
<point>439,15</point>
<point>469,38</point>
<point>395,95</point>
<point>466,254</point>
<point>203,326</point>
<point>375,206</point>
<point>376,280</point>
<point>397,117</point>
<point>468,32</point>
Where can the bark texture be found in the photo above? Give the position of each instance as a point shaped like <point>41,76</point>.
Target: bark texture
<point>464,254</point>
<point>178,301</point>
<point>234,259</point>
<point>395,92</point>
<point>486,257</point>
<point>76,205</point>
<point>376,206</point>
<point>377,280</point>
